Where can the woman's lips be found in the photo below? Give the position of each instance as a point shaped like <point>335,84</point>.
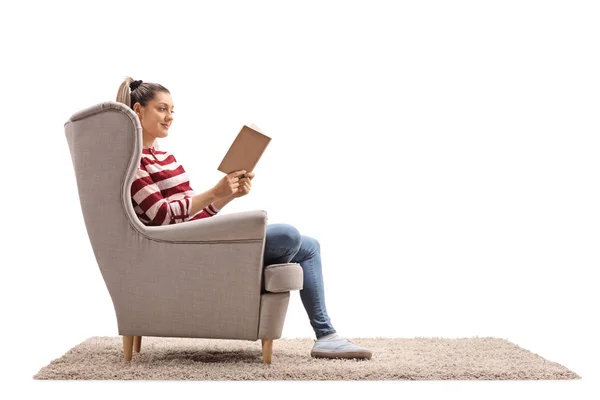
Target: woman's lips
<point>165,126</point>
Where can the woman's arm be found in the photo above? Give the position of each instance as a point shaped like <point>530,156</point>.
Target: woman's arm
<point>203,200</point>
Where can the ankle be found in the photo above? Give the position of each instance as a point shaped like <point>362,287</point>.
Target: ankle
<point>330,336</point>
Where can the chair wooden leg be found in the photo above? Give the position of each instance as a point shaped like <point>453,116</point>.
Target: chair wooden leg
<point>137,343</point>
<point>267,350</point>
<point>127,347</point>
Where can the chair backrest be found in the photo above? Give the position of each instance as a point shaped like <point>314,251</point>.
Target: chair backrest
<point>105,142</point>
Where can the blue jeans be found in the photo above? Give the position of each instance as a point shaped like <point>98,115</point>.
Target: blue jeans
<point>284,244</point>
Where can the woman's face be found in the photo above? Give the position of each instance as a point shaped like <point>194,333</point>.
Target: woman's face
<point>156,117</point>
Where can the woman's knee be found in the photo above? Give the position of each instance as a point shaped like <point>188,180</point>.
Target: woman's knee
<point>285,235</point>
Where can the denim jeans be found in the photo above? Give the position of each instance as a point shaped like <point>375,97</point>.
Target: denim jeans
<point>284,244</point>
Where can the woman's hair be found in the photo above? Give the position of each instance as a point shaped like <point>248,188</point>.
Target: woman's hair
<point>142,92</point>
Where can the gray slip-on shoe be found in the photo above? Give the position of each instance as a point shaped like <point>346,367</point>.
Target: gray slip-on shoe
<point>341,348</point>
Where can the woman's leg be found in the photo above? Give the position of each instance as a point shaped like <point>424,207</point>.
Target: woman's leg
<point>284,244</point>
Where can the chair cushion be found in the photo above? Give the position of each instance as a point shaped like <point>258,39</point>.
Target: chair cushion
<point>283,277</point>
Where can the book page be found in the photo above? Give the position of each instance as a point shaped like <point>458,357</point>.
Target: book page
<point>256,128</point>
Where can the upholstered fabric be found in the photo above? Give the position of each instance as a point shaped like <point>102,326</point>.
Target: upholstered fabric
<point>272,314</point>
<point>200,278</point>
<point>283,277</point>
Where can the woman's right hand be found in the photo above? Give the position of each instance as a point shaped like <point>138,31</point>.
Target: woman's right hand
<point>228,185</point>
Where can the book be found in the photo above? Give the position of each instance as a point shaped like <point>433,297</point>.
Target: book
<point>245,151</point>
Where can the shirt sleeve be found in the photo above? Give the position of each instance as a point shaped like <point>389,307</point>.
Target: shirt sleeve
<point>152,208</point>
<point>206,212</point>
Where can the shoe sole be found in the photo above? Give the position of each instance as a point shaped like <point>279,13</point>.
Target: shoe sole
<point>347,354</point>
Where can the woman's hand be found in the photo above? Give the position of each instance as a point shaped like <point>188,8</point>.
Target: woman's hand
<point>245,184</point>
<point>229,185</point>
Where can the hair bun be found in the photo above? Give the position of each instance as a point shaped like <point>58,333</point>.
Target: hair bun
<point>134,85</point>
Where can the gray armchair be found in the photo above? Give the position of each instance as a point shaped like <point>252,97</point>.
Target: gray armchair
<point>197,279</point>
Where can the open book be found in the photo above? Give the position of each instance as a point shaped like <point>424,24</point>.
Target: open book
<point>245,151</point>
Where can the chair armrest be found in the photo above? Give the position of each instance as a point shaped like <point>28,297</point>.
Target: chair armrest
<point>243,226</point>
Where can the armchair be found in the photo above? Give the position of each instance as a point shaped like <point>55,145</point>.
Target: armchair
<point>197,279</point>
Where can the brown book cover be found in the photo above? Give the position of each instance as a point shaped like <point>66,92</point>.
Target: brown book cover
<point>245,151</point>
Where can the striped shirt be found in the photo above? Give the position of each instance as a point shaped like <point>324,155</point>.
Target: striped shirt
<point>161,191</point>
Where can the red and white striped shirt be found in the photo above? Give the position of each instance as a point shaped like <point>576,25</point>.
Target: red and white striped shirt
<point>161,191</point>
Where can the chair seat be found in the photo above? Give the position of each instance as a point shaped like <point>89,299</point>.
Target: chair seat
<point>283,277</point>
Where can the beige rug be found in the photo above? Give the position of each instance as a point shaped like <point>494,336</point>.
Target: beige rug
<point>101,358</point>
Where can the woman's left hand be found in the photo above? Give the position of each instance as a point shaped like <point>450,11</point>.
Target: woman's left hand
<point>245,185</point>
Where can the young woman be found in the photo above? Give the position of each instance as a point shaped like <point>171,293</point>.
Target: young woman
<point>161,194</point>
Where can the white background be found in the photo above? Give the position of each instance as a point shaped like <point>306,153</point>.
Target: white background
<point>445,154</point>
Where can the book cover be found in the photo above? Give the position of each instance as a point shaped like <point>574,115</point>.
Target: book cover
<point>245,151</point>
